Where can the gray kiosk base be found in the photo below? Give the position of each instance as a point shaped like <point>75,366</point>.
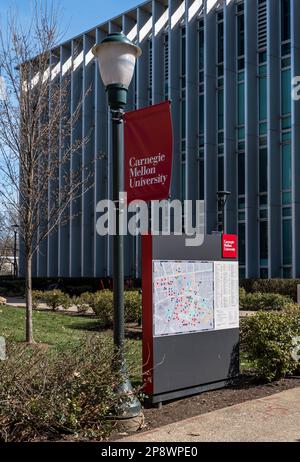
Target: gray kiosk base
<point>186,364</point>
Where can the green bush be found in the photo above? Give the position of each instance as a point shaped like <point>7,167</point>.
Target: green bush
<point>82,303</point>
<point>242,296</point>
<point>263,301</point>
<point>277,286</point>
<point>267,339</point>
<point>44,396</point>
<point>37,298</point>
<point>55,299</point>
<point>102,304</point>
<point>133,306</point>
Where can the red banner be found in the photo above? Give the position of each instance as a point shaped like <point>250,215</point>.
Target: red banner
<point>148,139</point>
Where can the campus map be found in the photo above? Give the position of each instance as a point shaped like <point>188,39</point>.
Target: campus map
<point>183,297</point>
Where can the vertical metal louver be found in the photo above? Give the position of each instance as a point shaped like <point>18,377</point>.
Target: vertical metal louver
<point>262,24</point>
<point>166,65</point>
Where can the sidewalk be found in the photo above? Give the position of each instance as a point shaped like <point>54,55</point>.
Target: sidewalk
<point>20,302</point>
<point>271,419</point>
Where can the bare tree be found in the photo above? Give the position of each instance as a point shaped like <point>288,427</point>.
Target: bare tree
<point>36,140</point>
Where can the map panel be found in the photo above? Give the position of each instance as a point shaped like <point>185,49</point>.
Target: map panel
<point>183,297</point>
<point>226,295</point>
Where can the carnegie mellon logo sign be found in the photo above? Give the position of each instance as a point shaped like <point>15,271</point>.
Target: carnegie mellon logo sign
<point>146,172</point>
<point>229,246</point>
<point>148,153</point>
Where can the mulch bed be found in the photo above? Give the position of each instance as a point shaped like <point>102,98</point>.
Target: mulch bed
<point>246,388</point>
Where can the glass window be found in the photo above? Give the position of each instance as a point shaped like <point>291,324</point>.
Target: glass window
<point>263,98</point>
<point>287,212</point>
<point>287,241</point>
<point>263,128</point>
<point>201,49</point>
<point>263,214</point>
<point>264,273</point>
<point>263,70</point>
<point>286,95</point>
<point>241,76</point>
<point>286,62</point>
<point>241,133</point>
<point>263,200</point>
<point>183,120</point>
<point>263,243</point>
<point>241,64</point>
<point>286,136</point>
<point>286,167</point>
<point>220,42</point>
<point>286,198</point>
<point>262,57</point>
<point>285,20</point>
<point>242,243</point>
<point>242,203</point>
<point>241,174</point>
<point>241,104</point>
<point>241,35</point>
<point>242,273</point>
<point>220,110</point>
<point>221,173</point>
<point>183,55</point>
<point>183,181</point>
<point>201,179</point>
<point>201,114</point>
<point>286,123</point>
<point>263,170</point>
<point>287,273</point>
<point>285,49</point>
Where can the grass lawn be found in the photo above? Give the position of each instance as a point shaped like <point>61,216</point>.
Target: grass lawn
<point>59,331</point>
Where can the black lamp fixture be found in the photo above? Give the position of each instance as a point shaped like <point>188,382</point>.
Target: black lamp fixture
<point>222,197</point>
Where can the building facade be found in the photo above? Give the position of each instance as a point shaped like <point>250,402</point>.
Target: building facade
<point>227,66</point>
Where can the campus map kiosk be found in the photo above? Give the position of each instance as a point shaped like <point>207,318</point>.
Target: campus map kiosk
<point>190,315</point>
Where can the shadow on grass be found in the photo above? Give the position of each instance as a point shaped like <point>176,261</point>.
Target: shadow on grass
<point>95,326</point>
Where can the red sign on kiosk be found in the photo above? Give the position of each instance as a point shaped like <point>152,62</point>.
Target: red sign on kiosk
<point>229,246</point>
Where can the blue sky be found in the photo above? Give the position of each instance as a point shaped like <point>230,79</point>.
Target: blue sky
<point>78,15</point>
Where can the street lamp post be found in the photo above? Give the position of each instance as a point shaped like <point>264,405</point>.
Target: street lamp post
<point>222,199</point>
<point>15,228</point>
<point>117,56</point>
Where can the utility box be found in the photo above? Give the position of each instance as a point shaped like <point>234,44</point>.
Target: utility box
<point>190,315</point>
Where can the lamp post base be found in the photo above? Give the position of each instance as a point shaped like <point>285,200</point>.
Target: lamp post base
<point>129,407</point>
<point>128,416</point>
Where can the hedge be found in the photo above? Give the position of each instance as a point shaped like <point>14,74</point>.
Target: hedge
<point>269,339</point>
<point>263,301</point>
<point>46,396</point>
<point>286,287</point>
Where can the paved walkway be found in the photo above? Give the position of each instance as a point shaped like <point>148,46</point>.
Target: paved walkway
<point>20,302</point>
<point>271,419</point>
